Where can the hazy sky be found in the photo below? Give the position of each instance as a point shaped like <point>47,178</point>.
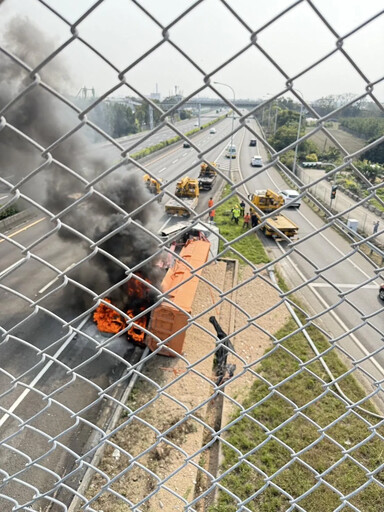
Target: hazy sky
<point>210,34</point>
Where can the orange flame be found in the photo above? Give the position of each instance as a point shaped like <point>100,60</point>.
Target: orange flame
<point>134,333</point>
<point>107,319</point>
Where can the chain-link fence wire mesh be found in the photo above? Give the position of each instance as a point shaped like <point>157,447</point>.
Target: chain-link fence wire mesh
<point>274,400</point>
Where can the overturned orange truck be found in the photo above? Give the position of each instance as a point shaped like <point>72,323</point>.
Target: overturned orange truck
<point>168,321</point>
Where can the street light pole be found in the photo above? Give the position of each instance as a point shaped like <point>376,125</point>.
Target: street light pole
<point>233,123</point>
<point>275,126</point>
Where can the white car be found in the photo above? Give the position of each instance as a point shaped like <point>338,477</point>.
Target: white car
<point>196,124</point>
<point>291,197</point>
<point>230,151</point>
<point>212,130</point>
<point>257,161</point>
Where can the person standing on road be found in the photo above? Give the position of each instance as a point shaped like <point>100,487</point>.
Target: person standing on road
<point>212,214</point>
<point>210,204</point>
<point>376,226</point>
<point>254,220</point>
<point>246,220</point>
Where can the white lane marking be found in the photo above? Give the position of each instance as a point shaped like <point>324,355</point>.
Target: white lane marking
<point>175,161</point>
<point>39,375</point>
<point>343,285</point>
<point>162,170</point>
<point>12,266</point>
<point>42,290</point>
<point>332,312</point>
<point>23,229</point>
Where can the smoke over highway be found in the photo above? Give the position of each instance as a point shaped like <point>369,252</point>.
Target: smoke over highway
<point>33,119</point>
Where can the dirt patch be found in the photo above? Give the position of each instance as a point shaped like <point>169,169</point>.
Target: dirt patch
<point>255,330</point>
<point>160,455</point>
<point>349,141</point>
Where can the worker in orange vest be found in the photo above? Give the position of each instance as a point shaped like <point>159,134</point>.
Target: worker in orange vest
<point>212,216</point>
<point>246,220</point>
<point>210,202</point>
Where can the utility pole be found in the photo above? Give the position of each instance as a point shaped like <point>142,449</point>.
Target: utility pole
<point>150,112</point>
<point>233,124</point>
<point>275,126</point>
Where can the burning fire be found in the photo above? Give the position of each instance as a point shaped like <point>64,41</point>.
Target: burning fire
<point>108,320</point>
<point>136,289</point>
<point>134,333</point>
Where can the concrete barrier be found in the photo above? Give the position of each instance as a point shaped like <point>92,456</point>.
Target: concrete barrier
<point>16,219</point>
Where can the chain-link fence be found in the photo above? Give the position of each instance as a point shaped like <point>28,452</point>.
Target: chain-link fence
<point>176,334</point>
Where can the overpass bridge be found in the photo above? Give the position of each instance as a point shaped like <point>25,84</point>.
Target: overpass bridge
<point>215,103</point>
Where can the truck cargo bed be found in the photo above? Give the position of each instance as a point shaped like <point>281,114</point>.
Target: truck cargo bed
<point>283,224</point>
<point>182,208</point>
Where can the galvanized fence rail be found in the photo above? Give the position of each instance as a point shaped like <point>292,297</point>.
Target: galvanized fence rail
<point>290,416</point>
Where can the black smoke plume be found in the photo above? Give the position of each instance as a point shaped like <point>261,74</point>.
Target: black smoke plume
<point>40,116</point>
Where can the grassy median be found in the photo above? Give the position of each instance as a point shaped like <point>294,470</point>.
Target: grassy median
<point>163,144</point>
<point>250,246</point>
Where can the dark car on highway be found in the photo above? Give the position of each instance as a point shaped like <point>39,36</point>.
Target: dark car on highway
<point>186,145</point>
<point>381,292</point>
<point>253,142</point>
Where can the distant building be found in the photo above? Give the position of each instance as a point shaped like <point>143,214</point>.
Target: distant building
<point>154,96</point>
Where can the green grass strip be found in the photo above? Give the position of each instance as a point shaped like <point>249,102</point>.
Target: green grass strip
<point>250,246</point>
<point>298,434</point>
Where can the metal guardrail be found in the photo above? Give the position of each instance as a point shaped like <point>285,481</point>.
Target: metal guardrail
<point>288,417</point>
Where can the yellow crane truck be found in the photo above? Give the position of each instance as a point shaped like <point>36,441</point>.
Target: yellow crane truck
<point>207,175</point>
<point>267,201</point>
<point>152,184</point>
<point>188,190</point>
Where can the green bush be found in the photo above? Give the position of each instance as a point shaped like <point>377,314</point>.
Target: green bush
<point>11,210</point>
<point>351,185</point>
